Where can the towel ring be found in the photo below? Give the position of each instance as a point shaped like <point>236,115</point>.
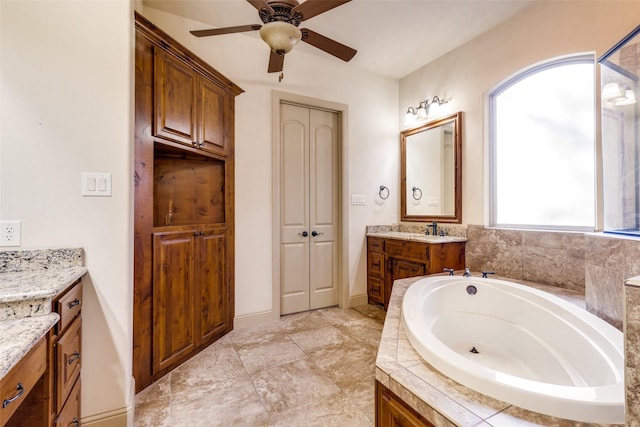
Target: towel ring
<point>417,193</point>
<point>383,193</point>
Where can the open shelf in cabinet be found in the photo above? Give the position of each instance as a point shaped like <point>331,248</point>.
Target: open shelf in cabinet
<point>188,188</point>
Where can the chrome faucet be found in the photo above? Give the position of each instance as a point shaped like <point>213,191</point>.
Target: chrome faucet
<point>434,228</point>
<point>467,272</point>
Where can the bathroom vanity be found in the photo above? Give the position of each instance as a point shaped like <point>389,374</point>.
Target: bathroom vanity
<point>398,255</point>
<point>40,337</point>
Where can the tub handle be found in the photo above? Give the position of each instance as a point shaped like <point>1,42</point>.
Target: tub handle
<point>484,273</point>
<point>449,270</point>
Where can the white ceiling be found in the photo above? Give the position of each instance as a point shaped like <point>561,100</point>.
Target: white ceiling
<point>393,37</point>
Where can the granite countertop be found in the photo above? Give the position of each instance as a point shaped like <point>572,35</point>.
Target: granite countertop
<point>29,280</point>
<point>439,399</point>
<point>416,237</point>
<point>27,285</point>
<point>18,336</point>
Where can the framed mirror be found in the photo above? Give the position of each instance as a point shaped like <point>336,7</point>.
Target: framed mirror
<point>431,171</point>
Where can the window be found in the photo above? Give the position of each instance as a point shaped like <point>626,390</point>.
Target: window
<point>542,147</point>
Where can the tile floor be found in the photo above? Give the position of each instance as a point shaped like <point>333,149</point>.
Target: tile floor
<point>307,369</point>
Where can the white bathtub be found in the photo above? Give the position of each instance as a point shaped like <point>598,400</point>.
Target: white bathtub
<point>520,345</point>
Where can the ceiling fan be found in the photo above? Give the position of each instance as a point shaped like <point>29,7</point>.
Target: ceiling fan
<point>280,31</point>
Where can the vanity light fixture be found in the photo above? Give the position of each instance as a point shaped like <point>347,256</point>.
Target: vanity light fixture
<point>410,117</point>
<point>424,110</point>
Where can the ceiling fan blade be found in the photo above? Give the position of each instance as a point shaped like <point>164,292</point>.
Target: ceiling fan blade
<point>330,46</point>
<point>276,63</point>
<point>311,8</point>
<point>262,5</point>
<point>227,30</point>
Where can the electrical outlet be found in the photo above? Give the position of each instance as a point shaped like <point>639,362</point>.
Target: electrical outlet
<point>10,233</point>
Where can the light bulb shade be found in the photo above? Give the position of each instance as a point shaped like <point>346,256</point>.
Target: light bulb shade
<point>611,92</point>
<point>410,117</point>
<point>421,114</point>
<point>280,36</point>
<point>434,109</point>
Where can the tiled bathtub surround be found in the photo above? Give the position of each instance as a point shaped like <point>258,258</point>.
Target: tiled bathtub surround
<point>593,263</point>
<point>439,399</point>
<point>551,258</point>
<point>632,350</point>
<point>609,261</point>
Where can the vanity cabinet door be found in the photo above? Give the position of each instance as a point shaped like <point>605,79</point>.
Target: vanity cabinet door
<point>402,269</point>
<point>393,412</point>
<point>375,270</point>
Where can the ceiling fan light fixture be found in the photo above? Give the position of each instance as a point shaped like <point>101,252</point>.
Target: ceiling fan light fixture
<point>280,36</point>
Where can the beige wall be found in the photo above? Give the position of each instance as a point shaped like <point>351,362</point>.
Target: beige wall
<point>466,75</point>
<point>66,85</point>
<point>371,153</point>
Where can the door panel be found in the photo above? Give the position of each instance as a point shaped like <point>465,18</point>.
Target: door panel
<point>294,251</point>
<point>323,178</point>
<point>309,208</point>
<point>294,276</point>
<point>173,298</point>
<point>213,299</point>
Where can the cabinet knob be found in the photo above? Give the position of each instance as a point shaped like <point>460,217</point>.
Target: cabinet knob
<point>303,234</point>
<point>314,233</point>
<point>202,233</point>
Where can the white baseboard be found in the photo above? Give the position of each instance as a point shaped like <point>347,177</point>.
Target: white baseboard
<point>254,319</point>
<point>120,417</point>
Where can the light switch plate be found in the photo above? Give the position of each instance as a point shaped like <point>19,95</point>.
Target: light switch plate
<point>358,199</point>
<point>96,184</point>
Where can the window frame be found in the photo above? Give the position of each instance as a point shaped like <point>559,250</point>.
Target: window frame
<point>581,58</point>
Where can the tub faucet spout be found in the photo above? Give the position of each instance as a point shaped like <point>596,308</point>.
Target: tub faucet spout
<point>467,272</point>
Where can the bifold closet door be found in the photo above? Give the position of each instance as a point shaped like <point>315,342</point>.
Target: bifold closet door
<point>308,208</point>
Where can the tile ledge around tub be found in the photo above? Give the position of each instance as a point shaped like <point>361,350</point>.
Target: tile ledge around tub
<point>456,404</point>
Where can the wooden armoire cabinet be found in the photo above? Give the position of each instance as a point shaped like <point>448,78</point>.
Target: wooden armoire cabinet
<point>183,204</point>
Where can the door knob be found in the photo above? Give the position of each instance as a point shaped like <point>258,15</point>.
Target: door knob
<point>304,234</point>
<point>314,233</point>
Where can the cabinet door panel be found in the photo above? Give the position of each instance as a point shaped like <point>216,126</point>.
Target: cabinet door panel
<point>212,289</point>
<point>407,250</point>
<point>173,297</point>
<point>175,99</point>
<point>375,290</point>
<point>68,361</point>
<point>402,269</point>
<point>213,134</point>
<point>376,264</point>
